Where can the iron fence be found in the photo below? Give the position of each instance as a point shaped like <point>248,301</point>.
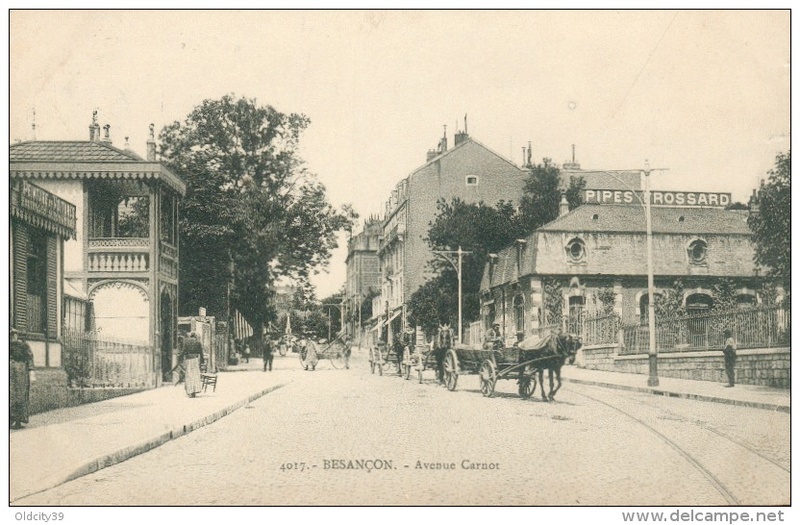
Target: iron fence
<point>758,327</point>
<point>92,361</point>
<point>595,330</point>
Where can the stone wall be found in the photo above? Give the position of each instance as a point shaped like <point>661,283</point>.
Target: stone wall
<point>764,366</point>
<point>49,391</point>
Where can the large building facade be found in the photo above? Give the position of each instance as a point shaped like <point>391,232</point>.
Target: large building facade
<point>124,258</point>
<point>594,260</point>
<point>469,171</point>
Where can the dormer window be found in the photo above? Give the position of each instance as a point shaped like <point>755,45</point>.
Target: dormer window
<point>698,251</point>
<point>472,180</point>
<point>576,250</point>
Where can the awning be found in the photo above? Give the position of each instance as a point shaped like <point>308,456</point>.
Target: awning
<point>241,328</point>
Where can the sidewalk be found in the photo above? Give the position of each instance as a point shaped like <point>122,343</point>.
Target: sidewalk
<point>64,444</point>
<point>61,445</point>
<point>740,395</point>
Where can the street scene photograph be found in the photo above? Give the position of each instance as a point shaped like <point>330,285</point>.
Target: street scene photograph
<point>399,258</point>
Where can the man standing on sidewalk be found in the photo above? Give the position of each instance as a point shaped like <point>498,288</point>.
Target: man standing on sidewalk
<point>267,354</point>
<point>729,350</point>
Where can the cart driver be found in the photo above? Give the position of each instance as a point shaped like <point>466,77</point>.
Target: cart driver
<point>493,338</point>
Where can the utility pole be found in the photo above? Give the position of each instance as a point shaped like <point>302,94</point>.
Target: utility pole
<point>447,256</point>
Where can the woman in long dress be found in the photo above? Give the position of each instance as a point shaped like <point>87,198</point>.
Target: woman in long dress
<point>20,366</point>
<point>192,358</point>
<point>312,358</point>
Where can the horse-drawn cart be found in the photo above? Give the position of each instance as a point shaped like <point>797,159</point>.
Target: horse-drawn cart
<point>522,362</point>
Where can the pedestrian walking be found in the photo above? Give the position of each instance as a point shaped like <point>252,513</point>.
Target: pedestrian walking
<point>729,351</point>
<point>192,360</point>
<point>20,376</point>
<point>311,358</point>
<point>246,353</point>
<point>348,349</point>
<point>267,355</point>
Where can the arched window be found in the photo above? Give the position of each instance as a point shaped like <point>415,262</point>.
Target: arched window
<point>644,304</point>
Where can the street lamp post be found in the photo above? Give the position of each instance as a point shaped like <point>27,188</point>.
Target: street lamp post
<point>447,255</point>
<point>652,379</point>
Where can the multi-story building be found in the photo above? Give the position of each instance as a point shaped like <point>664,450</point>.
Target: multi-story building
<point>469,171</point>
<point>124,255</point>
<point>363,274</point>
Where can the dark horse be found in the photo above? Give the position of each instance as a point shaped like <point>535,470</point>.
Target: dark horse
<point>557,350</point>
<point>441,344</point>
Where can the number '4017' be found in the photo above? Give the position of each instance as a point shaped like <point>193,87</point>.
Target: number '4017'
<point>300,467</point>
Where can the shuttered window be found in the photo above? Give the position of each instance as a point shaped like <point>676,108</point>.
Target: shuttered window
<point>20,231</point>
<point>52,287</point>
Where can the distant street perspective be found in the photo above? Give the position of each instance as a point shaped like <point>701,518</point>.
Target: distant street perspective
<point>399,257</point>
<point>349,437</point>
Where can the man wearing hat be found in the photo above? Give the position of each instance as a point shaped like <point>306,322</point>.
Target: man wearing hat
<point>729,351</point>
<point>492,339</point>
<point>20,369</point>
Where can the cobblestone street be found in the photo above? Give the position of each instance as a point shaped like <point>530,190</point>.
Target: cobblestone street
<point>346,437</point>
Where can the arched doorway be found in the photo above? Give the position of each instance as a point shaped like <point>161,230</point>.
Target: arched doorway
<point>167,331</point>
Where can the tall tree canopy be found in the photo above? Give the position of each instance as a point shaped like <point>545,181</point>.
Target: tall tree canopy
<point>539,203</point>
<point>478,228</point>
<point>771,226</point>
<point>252,212</point>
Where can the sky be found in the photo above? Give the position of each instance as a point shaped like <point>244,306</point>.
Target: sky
<point>703,94</point>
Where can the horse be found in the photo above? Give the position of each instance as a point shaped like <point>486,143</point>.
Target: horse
<point>441,344</point>
<point>560,349</point>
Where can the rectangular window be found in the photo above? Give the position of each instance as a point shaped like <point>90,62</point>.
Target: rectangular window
<point>37,281</point>
<point>472,180</point>
<point>118,209</point>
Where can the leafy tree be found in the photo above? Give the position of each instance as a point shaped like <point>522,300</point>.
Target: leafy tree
<point>771,226</point>
<point>478,228</point>
<point>542,195</point>
<point>252,212</point>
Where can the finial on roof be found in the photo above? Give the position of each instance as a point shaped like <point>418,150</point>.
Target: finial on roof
<point>152,131</point>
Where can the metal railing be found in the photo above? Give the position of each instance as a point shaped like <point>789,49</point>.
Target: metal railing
<point>759,327</point>
<point>94,362</point>
<point>594,330</point>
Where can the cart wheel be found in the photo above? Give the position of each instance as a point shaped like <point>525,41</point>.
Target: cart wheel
<point>337,360</point>
<point>527,385</point>
<point>450,370</point>
<point>488,378</point>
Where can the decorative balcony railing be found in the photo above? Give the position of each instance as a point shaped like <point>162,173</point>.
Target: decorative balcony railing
<point>118,262</point>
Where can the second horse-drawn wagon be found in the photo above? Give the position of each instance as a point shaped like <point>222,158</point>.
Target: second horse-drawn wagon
<point>524,361</point>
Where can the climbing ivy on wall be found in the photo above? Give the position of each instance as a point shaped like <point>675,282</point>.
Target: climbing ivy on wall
<point>553,300</point>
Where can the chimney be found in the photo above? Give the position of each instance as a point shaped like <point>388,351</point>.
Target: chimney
<point>94,128</point>
<point>151,144</point>
<point>752,204</point>
<point>572,165</point>
<point>432,154</point>
<point>563,206</point>
<point>530,153</point>
<point>107,134</point>
<point>443,141</point>
<point>461,136</point>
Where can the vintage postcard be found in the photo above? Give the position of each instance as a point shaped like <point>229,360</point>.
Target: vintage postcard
<point>399,258</point>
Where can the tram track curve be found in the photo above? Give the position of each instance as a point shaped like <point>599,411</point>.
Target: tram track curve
<point>760,465</point>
